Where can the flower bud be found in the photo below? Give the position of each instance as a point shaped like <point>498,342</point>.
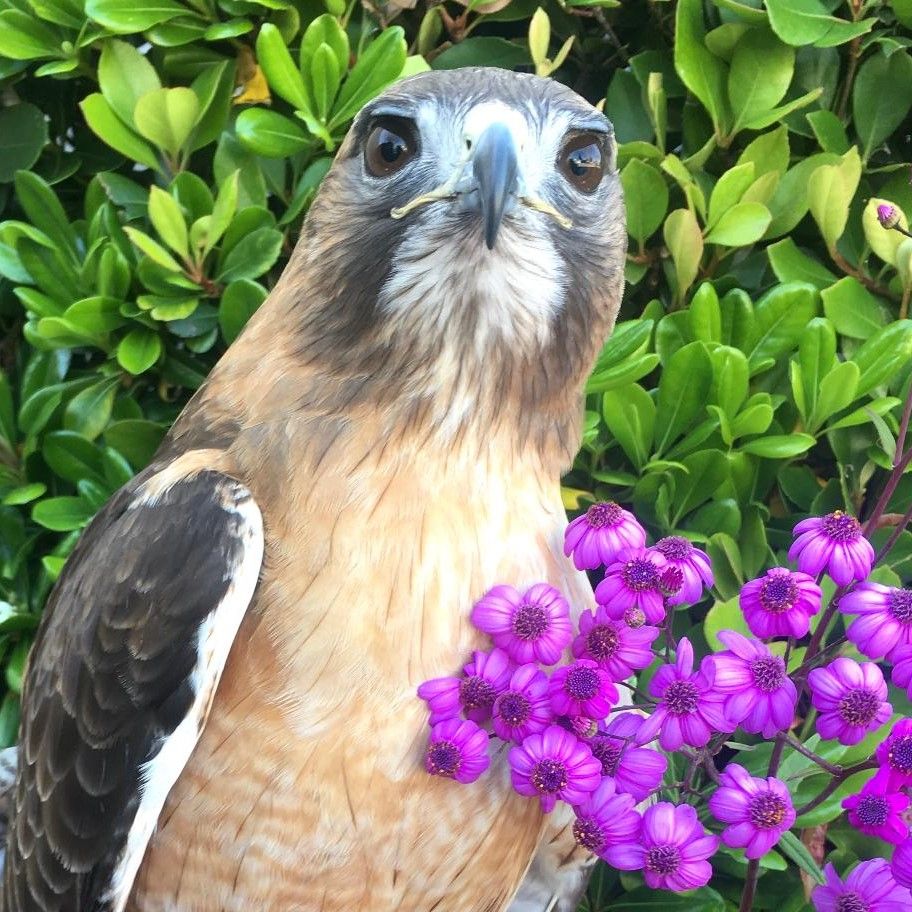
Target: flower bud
<point>888,216</point>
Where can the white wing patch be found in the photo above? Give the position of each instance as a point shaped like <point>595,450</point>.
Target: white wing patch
<point>216,636</point>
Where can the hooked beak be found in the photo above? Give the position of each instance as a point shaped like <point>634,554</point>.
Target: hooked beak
<point>495,165</point>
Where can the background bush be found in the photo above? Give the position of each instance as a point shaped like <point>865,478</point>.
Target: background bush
<point>156,161</point>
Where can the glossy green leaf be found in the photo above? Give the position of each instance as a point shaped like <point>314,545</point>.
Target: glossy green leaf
<point>125,16</point>
<point>168,221</point>
<point>779,446</point>
<point>108,127</point>
<point>62,514</point>
<point>683,392</point>
<point>23,134</point>
<point>124,76</point>
<point>139,350</point>
<point>646,199</point>
<point>830,191</point>
<point>761,70</point>
<point>741,225</point>
<point>239,302</point>
<point>270,134</point>
<point>166,117</point>
<point>252,256</point>
<point>685,244</point>
<point>852,309</point>
<point>89,411</point>
<point>701,71</point>
<point>803,22</point>
<point>881,98</point>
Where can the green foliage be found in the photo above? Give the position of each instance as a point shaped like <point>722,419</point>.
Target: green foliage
<point>157,159</point>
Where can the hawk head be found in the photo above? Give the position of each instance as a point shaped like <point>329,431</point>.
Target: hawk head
<point>464,256</point>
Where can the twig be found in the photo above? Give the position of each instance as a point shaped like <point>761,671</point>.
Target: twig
<point>831,768</point>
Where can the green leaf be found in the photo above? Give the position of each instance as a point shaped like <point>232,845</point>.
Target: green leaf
<point>852,309</point>
<point>166,117</point>
<point>374,70</point>
<point>124,16</point>
<point>629,414</point>
<point>482,51</point>
<point>830,192</point>
<point>741,225</point>
<point>780,317</point>
<point>72,456</point>
<point>125,76</point>
<point>225,30</point>
<point>701,71</point>
<point>152,249</point>
<point>883,355</point>
<point>252,256</point>
<point>23,494</point>
<point>270,134</point>
<point>793,265</point>
<point>768,152</point>
<point>761,70</point>
<point>326,30</point>
<point>139,350</point>
<point>830,133</point>
<point>685,244</point>
<point>885,242</point>
<point>44,210</point>
<point>707,470</point>
<point>881,98</point>
<point>168,221</point>
<point>108,127</point>
<point>238,304</point>
<point>783,446</point>
<point>837,391</point>
<point>704,899</point>
<point>325,76</point>
<point>135,439</point>
<point>62,514</point>
<point>795,849</point>
<point>89,411</point>
<point>23,134</point>
<point>683,391</point>
<point>646,198</point>
<point>25,37</point>
<point>803,22</point>
<point>816,358</point>
<point>728,190</point>
<point>283,77</point>
<point>730,379</point>
<point>222,212</point>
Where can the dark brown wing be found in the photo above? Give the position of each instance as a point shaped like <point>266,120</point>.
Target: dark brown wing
<point>118,684</point>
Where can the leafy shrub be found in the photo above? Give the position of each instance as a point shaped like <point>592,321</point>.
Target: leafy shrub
<point>156,162</point>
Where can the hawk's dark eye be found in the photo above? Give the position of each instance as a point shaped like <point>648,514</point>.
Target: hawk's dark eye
<point>391,145</point>
<point>582,160</point>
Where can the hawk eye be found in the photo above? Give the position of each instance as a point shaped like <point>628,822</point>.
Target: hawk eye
<point>582,161</point>
<point>391,145</point>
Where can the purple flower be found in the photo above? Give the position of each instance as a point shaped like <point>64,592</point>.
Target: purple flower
<point>605,819</point>
<point>457,750</point>
<point>901,864</point>
<point>671,850</point>
<point>554,764</point>
<point>885,621</point>
<point>759,695</point>
<point>851,699</point>
<point>878,812</point>
<point>533,626</point>
<point>597,537</point>
<point>833,543</point>
<point>902,668</point>
<point>486,676</point>
<point>757,811</point>
<point>887,216</point>
<point>636,771</point>
<point>694,565</point>
<point>633,582</point>
<point>523,708</point>
<point>617,647</point>
<point>780,603</point>
<point>869,888</point>
<point>894,755</point>
<point>582,689</point>
<point>689,710</point>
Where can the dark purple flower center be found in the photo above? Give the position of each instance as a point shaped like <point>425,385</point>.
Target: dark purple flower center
<point>549,776</point>
<point>513,708</point>
<point>682,697</point>
<point>859,706</point>
<point>778,592</point>
<point>851,902</point>
<point>604,514</point>
<point>582,683</point>
<point>766,810</point>
<point>873,810</point>
<point>769,673</point>
<point>476,693</point>
<point>841,527</point>
<point>608,752</point>
<point>530,622</point>
<point>641,574</point>
<point>634,617</point>
<point>588,833</point>
<point>900,754</point>
<point>663,859</point>
<point>443,758</point>
<point>602,641</point>
<point>674,547</point>
<point>671,580</point>
<point>901,605</point>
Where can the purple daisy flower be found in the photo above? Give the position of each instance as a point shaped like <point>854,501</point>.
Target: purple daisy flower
<point>533,626</point>
<point>757,811</point>
<point>901,864</point>
<point>851,699</point>
<point>523,708</point>
<point>894,755</point>
<point>780,603</point>
<point>902,668</point>
<point>617,647</point>
<point>636,771</point>
<point>633,582</point>
<point>457,750</point>
<point>600,534</point>
<point>759,695</point>
<point>878,812</point>
<point>833,543</point>
<point>694,565</point>
<point>689,709</point>
<point>473,695</point>
<point>582,689</point>
<point>672,849</point>
<point>869,888</point>
<point>554,764</point>
<point>605,819</point>
<point>885,621</point>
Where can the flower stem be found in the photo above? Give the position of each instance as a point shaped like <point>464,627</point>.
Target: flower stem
<point>831,768</point>
<point>750,886</point>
